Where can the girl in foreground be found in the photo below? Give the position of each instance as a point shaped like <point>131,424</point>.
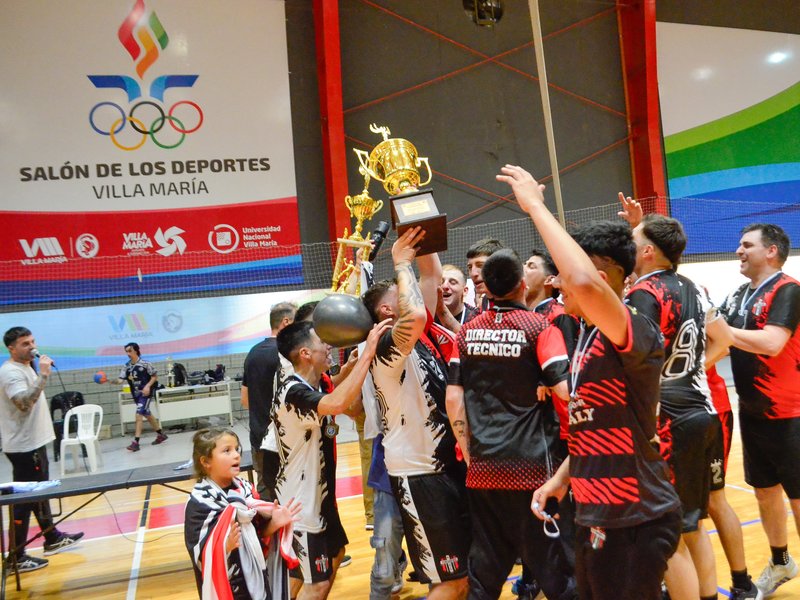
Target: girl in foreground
<point>240,546</point>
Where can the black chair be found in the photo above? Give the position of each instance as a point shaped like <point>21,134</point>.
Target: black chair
<point>62,403</point>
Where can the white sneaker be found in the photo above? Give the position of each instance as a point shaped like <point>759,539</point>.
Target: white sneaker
<point>775,575</point>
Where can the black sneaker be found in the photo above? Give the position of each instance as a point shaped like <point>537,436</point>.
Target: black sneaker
<point>346,561</point>
<point>753,593</point>
<point>27,563</point>
<point>66,540</point>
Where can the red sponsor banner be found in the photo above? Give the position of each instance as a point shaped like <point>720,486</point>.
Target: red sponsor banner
<point>88,245</point>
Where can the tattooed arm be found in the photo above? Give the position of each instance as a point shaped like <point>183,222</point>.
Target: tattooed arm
<point>411,315</point>
<point>25,398</point>
<point>458,418</point>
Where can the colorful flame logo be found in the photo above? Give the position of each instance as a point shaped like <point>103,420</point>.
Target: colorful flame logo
<point>148,31</point>
<point>142,34</point>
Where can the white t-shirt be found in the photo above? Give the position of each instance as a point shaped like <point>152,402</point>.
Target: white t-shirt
<point>307,464</point>
<point>410,392</point>
<point>22,431</point>
<point>282,373</point>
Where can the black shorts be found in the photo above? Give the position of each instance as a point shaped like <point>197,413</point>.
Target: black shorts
<point>270,467</point>
<point>630,561</point>
<point>316,551</point>
<point>503,529</point>
<point>722,447</point>
<point>771,448</point>
<point>436,525</point>
<point>688,451</point>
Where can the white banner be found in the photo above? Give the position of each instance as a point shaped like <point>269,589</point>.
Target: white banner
<point>113,105</point>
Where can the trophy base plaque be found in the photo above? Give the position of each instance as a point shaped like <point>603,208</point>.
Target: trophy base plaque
<point>419,209</point>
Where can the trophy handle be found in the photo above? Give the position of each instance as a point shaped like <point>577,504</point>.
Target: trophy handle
<point>420,160</point>
<point>378,207</point>
<point>363,159</point>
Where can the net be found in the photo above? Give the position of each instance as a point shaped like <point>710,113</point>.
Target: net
<point>214,317</point>
<point>52,280</point>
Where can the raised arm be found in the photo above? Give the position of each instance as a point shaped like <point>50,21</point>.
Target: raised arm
<point>348,391</point>
<point>25,398</point>
<point>430,279</point>
<point>411,316</point>
<point>597,300</point>
<point>631,210</point>
<point>355,274</point>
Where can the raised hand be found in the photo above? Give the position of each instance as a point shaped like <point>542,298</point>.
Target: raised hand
<point>405,247</point>
<point>527,190</point>
<point>631,210</point>
<point>45,365</point>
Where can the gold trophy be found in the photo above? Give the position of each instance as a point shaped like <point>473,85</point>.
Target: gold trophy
<point>347,270</point>
<point>395,162</point>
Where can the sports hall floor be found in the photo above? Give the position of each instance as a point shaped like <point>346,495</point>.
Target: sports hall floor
<point>118,558</point>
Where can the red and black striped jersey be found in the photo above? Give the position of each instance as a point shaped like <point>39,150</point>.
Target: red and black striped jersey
<point>767,385</point>
<point>676,305</point>
<point>503,355</point>
<point>617,475</point>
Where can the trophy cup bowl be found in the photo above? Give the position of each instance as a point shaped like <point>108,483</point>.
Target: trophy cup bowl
<point>362,208</point>
<point>396,163</point>
<point>348,266</point>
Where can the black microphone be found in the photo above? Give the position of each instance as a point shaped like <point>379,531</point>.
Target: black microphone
<point>378,237</point>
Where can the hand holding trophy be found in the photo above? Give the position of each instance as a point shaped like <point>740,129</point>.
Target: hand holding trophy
<point>341,319</point>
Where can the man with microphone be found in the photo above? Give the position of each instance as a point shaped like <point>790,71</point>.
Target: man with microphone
<point>26,428</point>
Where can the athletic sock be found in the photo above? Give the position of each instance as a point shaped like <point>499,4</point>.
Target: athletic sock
<point>741,580</point>
<point>158,431</point>
<point>136,439</point>
<point>780,555</point>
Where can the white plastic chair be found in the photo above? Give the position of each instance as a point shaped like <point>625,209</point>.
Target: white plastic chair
<point>90,419</point>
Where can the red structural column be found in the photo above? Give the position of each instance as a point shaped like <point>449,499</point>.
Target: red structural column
<point>637,28</point>
<point>329,76</point>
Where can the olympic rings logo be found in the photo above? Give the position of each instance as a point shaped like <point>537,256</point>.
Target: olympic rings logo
<point>158,124</point>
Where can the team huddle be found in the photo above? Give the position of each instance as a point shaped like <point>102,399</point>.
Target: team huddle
<point>573,419</point>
